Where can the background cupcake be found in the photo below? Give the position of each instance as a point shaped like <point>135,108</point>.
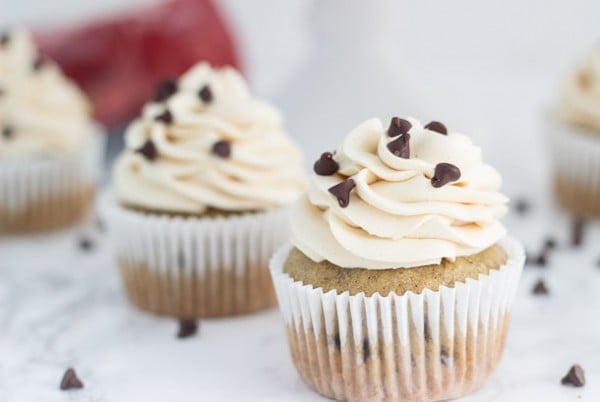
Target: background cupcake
<point>50,152</point>
<point>400,279</point>
<point>574,129</point>
<point>201,190</point>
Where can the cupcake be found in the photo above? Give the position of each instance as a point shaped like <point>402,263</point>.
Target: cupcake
<point>50,151</point>
<point>574,131</point>
<point>399,280</point>
<point>202,195</point>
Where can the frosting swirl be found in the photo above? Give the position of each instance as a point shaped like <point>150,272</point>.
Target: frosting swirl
<point>205,144</point>
<point>41,111</point>
<point>579,101</point>
<point>398,215</point>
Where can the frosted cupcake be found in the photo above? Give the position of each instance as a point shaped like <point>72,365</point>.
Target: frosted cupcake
<point>399,280</point>
<point>50,152</point>
<point>201,195</point>
<point>574,130</point>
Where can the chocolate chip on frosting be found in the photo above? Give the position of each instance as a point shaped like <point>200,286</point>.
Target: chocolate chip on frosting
<point>342,191</point>
<point>165,117</point>
<point>400,146</point>
<point>70,380</point>
<point>437,127</point>
<point>444,174</point>
<point>148,150</point>
<point>222,148</point>
<point>165,89</point>
<point>326,166</point>
<point>205,94</point>
<point>398,127</point>
<point>8,132</point>
<point>574,377</point>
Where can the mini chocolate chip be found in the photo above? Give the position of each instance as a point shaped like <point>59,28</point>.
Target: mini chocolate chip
<point>86,244</point>
<point>70,380</point>
<point>550,243</point>
<point>148,150</point>
<point>222,148</point>
<point>4,38</point>
<point>400,146</point>
<point>187,328</point>
<point>437,127</point>
<point>342,191</point>
<point>165,117</point>
<point>540,288</point>
<point>39,63</point>
<point>8,132</point>
<point>541,259</point>
<point>165,89</point>
<point>326,166</point>
<point>205,94</point>
<point>444,174</point>
<point>522,206</point>
<point>366,350</point>
<point>578,228</point>
<point>398,127</point>
<point>574,377</point>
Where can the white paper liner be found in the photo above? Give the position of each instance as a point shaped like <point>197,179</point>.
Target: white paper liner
<point>430,346</point>
<point>575,156</point>
<point>208,256</point>
<point>31,183</point>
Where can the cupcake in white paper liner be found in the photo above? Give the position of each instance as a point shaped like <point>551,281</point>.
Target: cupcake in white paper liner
<point>202,191</point>
<point>50,151</point>
<point>400,278</point>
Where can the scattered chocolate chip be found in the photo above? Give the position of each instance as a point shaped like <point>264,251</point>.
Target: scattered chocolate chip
<point>541,260</point>
<point>205,94</point>
<point>574,377</point>
<point>70,380</point>
<point>521,206</point>
<point>398,127</point>
<point>148,150</point>
<point>337,341</point>
<point>165,89</point>
<point>39,63</point>
<point>8,132</point>
<point>366,350</point>
<point>578,228</point>
<point>86,244</point>
<point>550,243</point>
<point>222,148</point>
<point>165,117</point>
<point>444,174</point>
<point>187,328</point>
<point>4,38</point>
<point>342,191</point>
<point>400,146</point>
<point>540,288</point>
<point>326,166</point>
<point>437,127</point>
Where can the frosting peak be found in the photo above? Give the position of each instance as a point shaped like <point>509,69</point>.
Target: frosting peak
<point>213,146</point>
<point>41,111</point>
<point>385,209</point>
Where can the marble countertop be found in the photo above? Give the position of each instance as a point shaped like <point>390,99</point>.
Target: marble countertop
<point>61,306</point>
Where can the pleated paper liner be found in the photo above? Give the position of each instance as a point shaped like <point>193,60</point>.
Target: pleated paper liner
<point>575,161</point>
<point>40,195</point>
<point>193,267</point>
<point>431,346</point>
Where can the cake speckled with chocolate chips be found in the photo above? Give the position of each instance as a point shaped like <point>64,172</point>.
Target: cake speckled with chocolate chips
<point>202,190</point>
<point>399,280</point>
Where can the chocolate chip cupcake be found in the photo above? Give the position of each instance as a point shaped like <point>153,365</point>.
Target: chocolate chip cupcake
<point>573,127</point>
<point>50,151</point>
<point>399,279</point>
<point>202,190</point>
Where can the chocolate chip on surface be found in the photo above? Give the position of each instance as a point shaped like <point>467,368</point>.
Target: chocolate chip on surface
<point>341,191</point>
<point>445,173</point>
<point>39,63</point>
<point>550,243</point>
<point>70,380</point>
<point>206,94</point>
<point>4,38</point>
<point>148,150</point>
<point>437,127</point>
<point>326,166</point>
<point>578,229</point>
<point>222,148</point>
<point>165,117</point>
<point>574,377</point>
<point>8,132</point>
<point>400,146</point>
<point>522,206</point>
<point>86,244</point>
<point>398,127</point>
<point>165,89</point>
<point>540,288</point>
<point>187,328</point>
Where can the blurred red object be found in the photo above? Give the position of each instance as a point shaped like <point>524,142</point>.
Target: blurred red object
<point>119,60</point>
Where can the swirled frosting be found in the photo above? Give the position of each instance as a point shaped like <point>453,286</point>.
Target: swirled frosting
<point>41,111</point>
<point>579,101</point>
<point>395,217</point>
<point>206,143</point>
